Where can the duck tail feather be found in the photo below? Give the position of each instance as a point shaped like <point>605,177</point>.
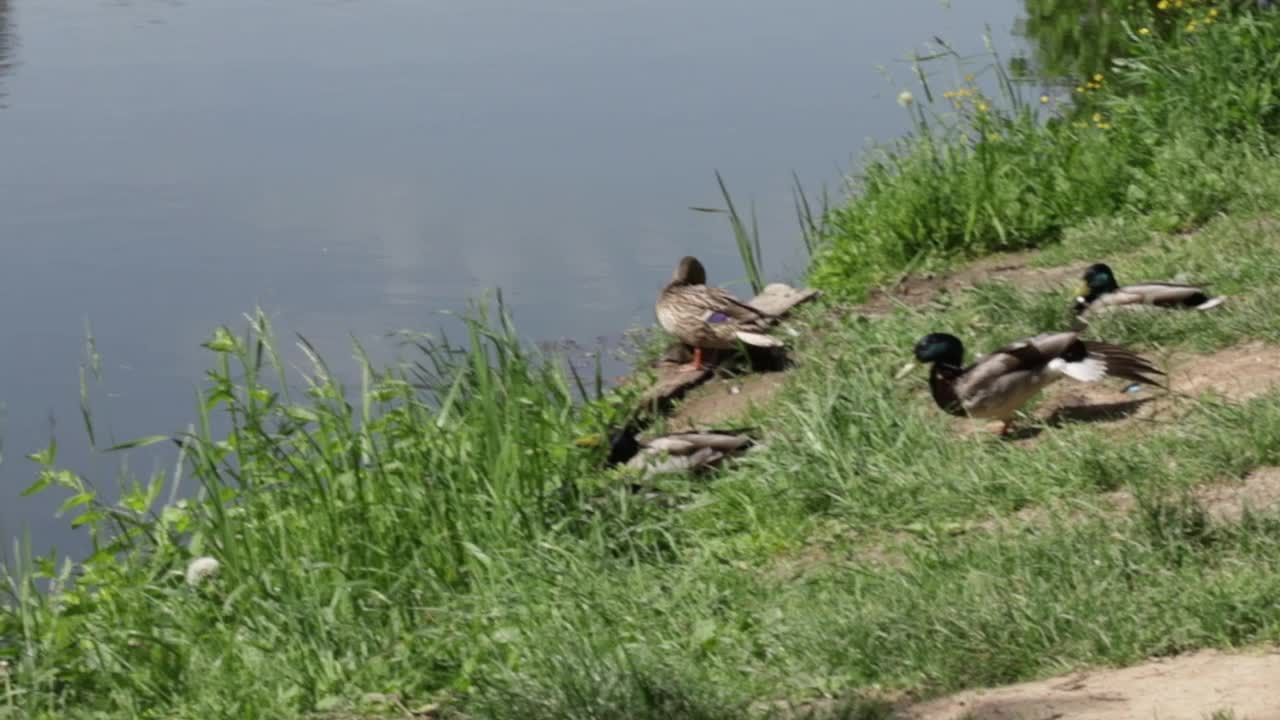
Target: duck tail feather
<point>1124,363</point>
<point>1090,369</point>
<point>1211,303</point>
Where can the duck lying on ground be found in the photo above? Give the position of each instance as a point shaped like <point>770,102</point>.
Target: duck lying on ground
<point>997,385</point>
<point>707,317</point>
<point>687,451</point>
<point>1101,292</point>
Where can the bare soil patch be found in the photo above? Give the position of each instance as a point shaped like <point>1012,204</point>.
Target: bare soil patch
<point>1237,374</point>
<point>885,551</point>
<point>1227,502</point>
<point>724,401</point>
<point>1188,687</point>
<point>1071,402</point>
<point>1108,504</point>
<point>1224,501</point>
<point>795,565</point>
<point>917,290</point>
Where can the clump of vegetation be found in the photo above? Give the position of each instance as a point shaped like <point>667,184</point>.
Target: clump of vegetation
<point>1161,136</point>
<point>334,524</point>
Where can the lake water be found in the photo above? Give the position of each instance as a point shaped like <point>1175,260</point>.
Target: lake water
<point>353,166</point>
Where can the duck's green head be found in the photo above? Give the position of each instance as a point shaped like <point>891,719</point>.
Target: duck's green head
<point>1098,280</point>
<point>689,272</point>
<point>940,348</point>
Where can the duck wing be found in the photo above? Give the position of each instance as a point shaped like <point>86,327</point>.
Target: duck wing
<point>1122,362</point>
<point>1024,357</point>
<point>1049,356</point>
<point>734,308</point>
<point>715,305</point>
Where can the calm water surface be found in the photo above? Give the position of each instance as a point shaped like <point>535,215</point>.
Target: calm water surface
<point>355,165</point>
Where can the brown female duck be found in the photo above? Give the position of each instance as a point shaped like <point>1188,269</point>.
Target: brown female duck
<point>707,317</point>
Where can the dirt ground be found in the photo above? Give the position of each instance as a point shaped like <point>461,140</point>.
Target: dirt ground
<point>1187,687</point>
<point>917,290</point>
<point>1237,374</point>
<point>1224,501</point>
<point>723,401</point>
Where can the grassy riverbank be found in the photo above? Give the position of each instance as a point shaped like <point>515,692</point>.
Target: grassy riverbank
<point>440,545</point>
<point>1167,139</point>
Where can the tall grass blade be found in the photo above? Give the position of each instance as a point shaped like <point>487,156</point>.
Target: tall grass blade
<point>748,240</point>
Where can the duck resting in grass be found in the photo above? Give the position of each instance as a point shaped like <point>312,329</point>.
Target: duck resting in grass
<point>1100,292</point>
<point>998,384</point>
<point>707,317</point>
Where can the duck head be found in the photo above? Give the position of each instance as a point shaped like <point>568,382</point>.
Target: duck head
<point>689,272</point>
<point>1098,280</point>
<point>940,348</point>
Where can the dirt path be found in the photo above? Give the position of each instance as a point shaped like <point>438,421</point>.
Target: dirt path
<point>724,401</point>
<point>917,290</point>
<point>1241,686</point>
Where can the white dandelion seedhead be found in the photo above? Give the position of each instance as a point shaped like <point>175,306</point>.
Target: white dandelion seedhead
<point>905,98</point>
<point>201,569</point>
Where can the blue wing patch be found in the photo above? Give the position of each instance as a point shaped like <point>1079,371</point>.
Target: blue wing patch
<point>717,317</point>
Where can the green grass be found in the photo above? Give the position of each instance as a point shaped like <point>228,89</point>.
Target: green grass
<point>426,547</point>
<point>436,539</point>
<point>1161,138</point>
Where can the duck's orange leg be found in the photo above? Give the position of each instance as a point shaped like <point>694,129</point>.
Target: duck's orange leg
<point>697,358</point>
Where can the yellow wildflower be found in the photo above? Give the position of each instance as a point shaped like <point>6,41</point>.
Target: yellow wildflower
<point>1044,99</point>
<point>1097,77</point>
<point>1177,3</point>
<point>1080,89</point>
<point>1097,117</point>
<point>1191,26</point>
<point>1103,126</point>
<point>1162,5</point>
<point>1213,12</point>
<point>983,107</point>
<point>1144,32</point>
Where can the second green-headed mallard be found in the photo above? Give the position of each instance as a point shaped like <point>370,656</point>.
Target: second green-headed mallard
<point>1101,292</point>
<point>998,384</point>
<point>707,317</point>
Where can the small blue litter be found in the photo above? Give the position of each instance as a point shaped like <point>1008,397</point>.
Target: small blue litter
<point>1135,387</point>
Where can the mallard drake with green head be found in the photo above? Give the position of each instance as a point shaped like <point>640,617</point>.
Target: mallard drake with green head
<point>708,317</point>
<point>998,384</point>
<point>1101,292</point>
